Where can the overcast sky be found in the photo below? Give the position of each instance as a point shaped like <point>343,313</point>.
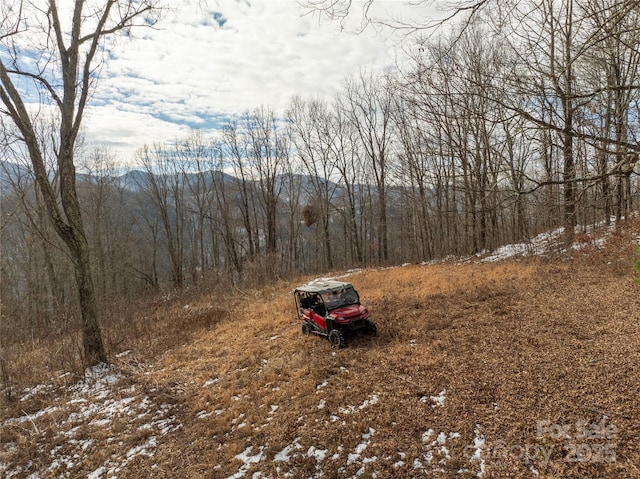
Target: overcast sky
<point>209,59</point>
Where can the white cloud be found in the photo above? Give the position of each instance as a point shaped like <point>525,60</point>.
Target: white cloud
<point>223,57</point>
<point>124,131</point>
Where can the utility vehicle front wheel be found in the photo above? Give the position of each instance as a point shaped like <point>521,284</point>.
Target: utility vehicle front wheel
<point>306,329</point>
<point>336,338</point>
<point>370,327</point>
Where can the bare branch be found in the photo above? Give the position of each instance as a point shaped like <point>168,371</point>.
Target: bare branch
<point>39,79</point>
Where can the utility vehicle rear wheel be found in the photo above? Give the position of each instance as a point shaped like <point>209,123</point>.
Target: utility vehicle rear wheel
<point>336,338</point>
<point>306,329</point>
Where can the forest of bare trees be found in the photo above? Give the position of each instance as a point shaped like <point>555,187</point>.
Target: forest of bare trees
<point>520,120</point>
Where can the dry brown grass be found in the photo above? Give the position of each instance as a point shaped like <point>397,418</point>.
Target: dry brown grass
<point>511,343</point>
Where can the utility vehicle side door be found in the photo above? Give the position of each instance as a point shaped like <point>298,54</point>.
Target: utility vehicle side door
<point>319,312</point>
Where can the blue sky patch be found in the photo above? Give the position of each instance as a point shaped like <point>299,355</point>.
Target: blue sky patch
<point>219,18</point>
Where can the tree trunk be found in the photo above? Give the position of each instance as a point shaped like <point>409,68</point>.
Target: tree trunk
<point>91,334</point>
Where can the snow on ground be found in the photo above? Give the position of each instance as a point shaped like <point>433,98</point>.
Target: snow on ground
<point>86,412</point>
<point>544,243</point>
<point>82,419</point>
<point>373,399</point>
<point>434,458</point>
<point>357,459</point>
<point>436,401</point>
<point>539,245</point>
<point>479,442</point>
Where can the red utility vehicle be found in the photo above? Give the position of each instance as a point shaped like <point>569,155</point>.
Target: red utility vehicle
<point>332,309</point>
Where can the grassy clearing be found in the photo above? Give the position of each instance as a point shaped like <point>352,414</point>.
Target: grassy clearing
<point>478,369</point>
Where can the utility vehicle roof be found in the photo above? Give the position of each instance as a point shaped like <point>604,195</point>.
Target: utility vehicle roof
<point>323,286</point>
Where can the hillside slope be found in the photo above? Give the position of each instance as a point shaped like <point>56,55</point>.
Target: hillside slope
<point>518,368</point>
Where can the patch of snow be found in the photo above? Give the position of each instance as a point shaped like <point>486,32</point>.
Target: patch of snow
<point>94,402</point>
<point>436,446</point>
<point>247,460</point>
<point>28,393</point>
<point>547,241</point>
<point>31,417</point>
<point>438,401</point>
<point>426,436</point>
<point>324,384</point>
<point>319,454</point>
<point>478,443</point>
<point>98,382</point>
<point>366,439</point>
<point>142,450</point>
<point>100,422</point>
<point>373,399</point>
<point>443,450</point>
<point>348,273</point>
<point>285,454</point>
<point>538,245</point>
<point>203,414</point>
<point>97,474</point>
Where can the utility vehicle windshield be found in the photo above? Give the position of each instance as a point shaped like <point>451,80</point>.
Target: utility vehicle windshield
<point>338,299</point>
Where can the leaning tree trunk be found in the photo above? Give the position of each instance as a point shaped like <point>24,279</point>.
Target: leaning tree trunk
<point>66,84</point>
<point>74,236</point>
<point>91,334</point>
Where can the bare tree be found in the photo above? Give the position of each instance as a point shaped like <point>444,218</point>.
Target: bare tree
<point>165,185</point>
<point>349,164</point>
<point>548,42</point>
<point>314,140</point>
<point>416,150</point>
<point>235,146</point>
<point>268,153</point>
<point>568,71</point>
<point>614,61</point>
<point>223,218</point>
<point>369,100</point>
<point>195,156</point>
<point>64,75</point>
<point>34,271</point>
<point>111,226</point>
<point>443,12</point>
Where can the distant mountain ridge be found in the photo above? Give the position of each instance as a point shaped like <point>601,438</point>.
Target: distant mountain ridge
<point>136,180</point>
